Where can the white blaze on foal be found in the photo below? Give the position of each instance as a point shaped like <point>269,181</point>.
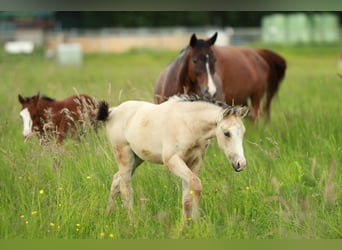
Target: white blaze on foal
<point>27,122</point>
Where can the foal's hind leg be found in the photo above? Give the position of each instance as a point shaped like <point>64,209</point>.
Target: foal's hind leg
<point>114,191</point>
<point>127,162</point>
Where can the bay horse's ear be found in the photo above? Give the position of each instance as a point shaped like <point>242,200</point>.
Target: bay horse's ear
<point>21,99</point>
<point>193,40</point>
<point>212,40</point>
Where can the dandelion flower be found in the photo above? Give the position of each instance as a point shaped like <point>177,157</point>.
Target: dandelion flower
<point>26,222</point>
<point>22,216</point>
<point>78,225</point>
<point>34,212</point>
<point>52,224</point>
<point>41,191</point>
<point>248,188</point>
<point>111,235</point>
<point>88,177</point>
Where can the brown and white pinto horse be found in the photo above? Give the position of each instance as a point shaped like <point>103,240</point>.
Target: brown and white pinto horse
<point>47,117</point>
<point>231,74</point>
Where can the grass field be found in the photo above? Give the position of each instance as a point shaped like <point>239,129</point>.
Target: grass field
<point>292,187</point>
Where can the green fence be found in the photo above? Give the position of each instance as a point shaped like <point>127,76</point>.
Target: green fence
<point>300,28</point>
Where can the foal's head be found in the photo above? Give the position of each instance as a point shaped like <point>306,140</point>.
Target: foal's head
<point>31,113</point>
<point>200,66</point>
<point>229,133</point>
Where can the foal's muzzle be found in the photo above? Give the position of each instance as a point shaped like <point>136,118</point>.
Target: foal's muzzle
<point>239,166</point>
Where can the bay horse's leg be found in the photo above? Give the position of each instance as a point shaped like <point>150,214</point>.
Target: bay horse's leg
<point>255,102</point>
<point>192,186</point>
<point>267,106</point>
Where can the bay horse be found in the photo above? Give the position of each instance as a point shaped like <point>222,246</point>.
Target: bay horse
<point>48,118</point>
<point>174,133</point>
<point>230,73</point>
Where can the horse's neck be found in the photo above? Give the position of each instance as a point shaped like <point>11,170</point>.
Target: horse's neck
<point>183,71</point>
<point>204,119</point>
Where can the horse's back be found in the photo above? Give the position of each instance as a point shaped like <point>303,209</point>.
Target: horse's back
<point>242,72</point>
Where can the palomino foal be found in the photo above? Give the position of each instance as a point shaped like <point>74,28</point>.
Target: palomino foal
<point>174,133</point>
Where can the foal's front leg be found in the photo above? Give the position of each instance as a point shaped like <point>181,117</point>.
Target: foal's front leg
<point>192,186</point>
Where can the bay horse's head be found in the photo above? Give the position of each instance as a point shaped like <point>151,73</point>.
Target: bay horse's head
<point>199,67</point>
<point>31,114</point>
<point>229,133</point>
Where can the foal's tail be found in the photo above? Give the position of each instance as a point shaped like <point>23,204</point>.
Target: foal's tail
<point>277,66</point>
<point>103,111</point>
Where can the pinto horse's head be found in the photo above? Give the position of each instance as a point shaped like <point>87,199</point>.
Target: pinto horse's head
<point>29,113</point>
<point>200,67</point>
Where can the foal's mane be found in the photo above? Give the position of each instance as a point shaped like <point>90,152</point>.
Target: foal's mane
<point>200,98</point>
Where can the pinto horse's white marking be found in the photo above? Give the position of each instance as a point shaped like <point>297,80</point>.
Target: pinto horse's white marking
<point>174,133</point>
<point>27,121</point>
<point>211,85</point>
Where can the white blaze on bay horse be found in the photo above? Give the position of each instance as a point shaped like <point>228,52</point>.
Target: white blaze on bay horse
<point>45,116</point>
<point>174,133</point>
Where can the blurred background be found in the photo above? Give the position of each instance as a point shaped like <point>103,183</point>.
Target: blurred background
<point>74,33</point>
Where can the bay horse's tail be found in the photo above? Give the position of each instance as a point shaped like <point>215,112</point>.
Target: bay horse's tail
<point>103,111</point>
<point>277,65</point>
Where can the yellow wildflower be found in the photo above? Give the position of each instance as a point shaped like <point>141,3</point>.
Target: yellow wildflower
<point>34,212</point>
<point>111,235</point>
<point>41,191</point>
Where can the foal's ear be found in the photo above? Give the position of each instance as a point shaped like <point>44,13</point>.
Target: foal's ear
<point>21,99</point>
<point>193,40</point>
<point>228,112</point>
<point>243,111</point>
<point>212,40</point>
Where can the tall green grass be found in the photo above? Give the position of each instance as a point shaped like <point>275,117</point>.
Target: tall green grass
<point>291,188</point>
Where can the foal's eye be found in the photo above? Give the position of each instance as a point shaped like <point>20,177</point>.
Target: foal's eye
<point>194,61</point>
<point>227,134</point>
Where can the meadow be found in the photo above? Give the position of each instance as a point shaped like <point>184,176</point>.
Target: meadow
<point>292,188</point>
